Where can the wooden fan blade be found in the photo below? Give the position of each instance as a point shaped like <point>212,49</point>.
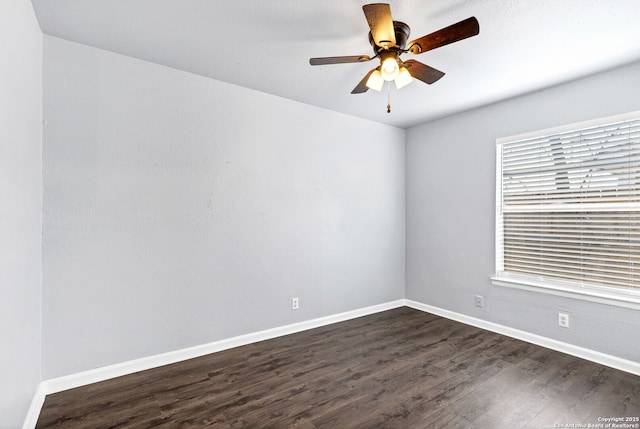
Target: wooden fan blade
<point>339,60</point>
<point>453,33</point>
<point>381,24</point>
<point>422,71</point>
<point>362,86</point>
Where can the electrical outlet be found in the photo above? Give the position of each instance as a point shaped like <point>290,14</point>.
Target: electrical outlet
<point>563,320</point>
<point>295,303</point>
<point>479,301</point>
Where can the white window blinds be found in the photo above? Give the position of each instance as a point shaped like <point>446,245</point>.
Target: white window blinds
<point>569,207</point>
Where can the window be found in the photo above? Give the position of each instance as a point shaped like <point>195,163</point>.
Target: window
<point>568,210</point>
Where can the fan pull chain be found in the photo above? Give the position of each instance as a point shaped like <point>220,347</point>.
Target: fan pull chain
<point>389,99</point>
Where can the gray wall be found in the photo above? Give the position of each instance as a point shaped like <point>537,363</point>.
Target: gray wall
<point>450,188</point>
<point>20,208</point>
<point>180,210</point>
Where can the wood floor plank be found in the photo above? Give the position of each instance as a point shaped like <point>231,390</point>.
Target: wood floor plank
<point>398,369</point>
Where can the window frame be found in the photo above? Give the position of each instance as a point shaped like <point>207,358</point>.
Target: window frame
<point>610,295</point>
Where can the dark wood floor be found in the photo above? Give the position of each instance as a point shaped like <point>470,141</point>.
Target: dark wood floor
<point>397,369</point>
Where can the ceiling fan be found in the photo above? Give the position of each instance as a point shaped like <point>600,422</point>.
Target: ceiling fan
<point>389,40</point>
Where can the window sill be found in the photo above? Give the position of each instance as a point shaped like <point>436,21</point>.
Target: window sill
<point>630,300</point>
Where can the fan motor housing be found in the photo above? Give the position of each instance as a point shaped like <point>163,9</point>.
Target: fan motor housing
<point>401,31</point>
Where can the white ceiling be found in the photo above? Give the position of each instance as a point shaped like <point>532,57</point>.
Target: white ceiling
<point>523,45</point>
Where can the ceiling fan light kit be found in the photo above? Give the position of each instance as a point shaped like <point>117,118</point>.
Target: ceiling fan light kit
<point>404,78</point>
<point>389,67</point>
<point>375,80</point>
<point>388,39</point>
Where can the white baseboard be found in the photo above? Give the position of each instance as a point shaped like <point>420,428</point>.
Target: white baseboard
<point>581,352</point>
<point>129,367</point>
<point>34,409</point>
<point>105,373</point>
<point>124,368</point>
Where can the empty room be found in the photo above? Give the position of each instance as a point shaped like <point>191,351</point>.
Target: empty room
<point>244,214</point>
